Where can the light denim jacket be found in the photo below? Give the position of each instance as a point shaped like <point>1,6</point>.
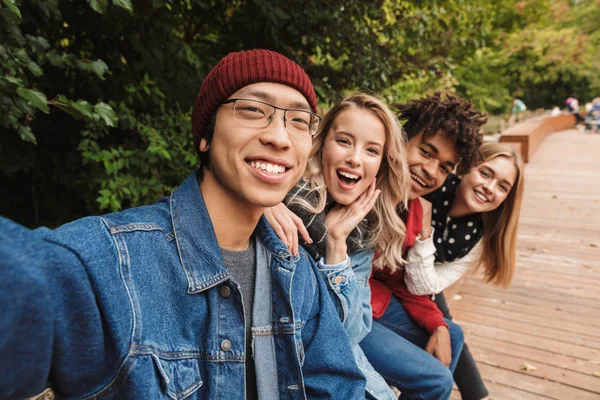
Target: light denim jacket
<point>348,284</point>
<point>138,305</point>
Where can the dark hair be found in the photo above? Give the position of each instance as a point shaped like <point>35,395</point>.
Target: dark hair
<point>203,156</point>
<point>450,116</point>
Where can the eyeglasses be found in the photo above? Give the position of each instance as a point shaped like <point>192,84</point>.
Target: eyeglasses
<point>259,114</point>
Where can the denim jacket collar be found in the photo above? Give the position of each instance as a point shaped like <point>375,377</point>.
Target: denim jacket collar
<point>197,244</point>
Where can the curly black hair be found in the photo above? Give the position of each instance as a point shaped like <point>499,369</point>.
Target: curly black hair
<point>449,115</point>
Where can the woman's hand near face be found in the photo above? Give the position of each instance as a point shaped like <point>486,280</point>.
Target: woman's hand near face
<point>426,228</point>
<point>286,225</point>
<point>341,221</point>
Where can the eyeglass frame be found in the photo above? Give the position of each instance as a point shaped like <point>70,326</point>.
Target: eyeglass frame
<point>233,100</point>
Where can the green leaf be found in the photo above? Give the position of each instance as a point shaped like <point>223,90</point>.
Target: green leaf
<point>56,59</point>
<point>126,4</point>
<point>12,7</point>
<point>22,55</point>
<point>115,204</point>
<point>106,114</point>
<point>99,5</point>
<point>26,134</point>
<point>34,98</point>
<point>83,107</point>
<point>34,68</point>
<point>38,43</point>
<point>98,67</point>
<point>13,80</point>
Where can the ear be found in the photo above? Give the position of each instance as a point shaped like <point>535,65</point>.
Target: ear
<point>204,146</point>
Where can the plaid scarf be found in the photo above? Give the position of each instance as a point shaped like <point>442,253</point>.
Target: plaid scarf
<point>315,223</point>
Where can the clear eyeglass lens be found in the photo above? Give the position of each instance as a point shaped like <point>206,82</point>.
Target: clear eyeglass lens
<point>255,114</point>
<point>252,113</point>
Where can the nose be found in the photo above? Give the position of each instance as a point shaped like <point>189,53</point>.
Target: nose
<point>488,186</point>
<point>275,134</point>
<point>431,167</point>
<point>353,158</point>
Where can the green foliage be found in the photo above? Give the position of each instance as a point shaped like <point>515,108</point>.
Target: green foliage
<point>547,62</point>
<point>12,7</point>
<point>482,78</point>
<point>96,95</point>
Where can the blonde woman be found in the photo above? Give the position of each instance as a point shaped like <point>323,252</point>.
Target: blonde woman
<point>358,162</point>
<point>475,222</point>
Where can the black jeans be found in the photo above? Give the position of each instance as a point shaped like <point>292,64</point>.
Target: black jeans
<point>466,375</point>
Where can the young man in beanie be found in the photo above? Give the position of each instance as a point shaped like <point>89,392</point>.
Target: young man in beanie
<point>194,296</point>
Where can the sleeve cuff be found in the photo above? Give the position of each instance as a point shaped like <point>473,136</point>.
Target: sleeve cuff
<point>425,241</point>
<point>333,267</point>
<point>423,248</point>
<point>434,322</point>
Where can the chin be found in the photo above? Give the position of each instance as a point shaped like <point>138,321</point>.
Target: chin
<point>266,198</point>
<point>344,199</point>
<point>477,208</point>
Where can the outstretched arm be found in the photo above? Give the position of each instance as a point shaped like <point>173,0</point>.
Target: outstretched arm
<point>51,322</point>
<point>26,320</point>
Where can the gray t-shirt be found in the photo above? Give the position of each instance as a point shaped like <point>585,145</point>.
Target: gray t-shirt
<point>242,267</point>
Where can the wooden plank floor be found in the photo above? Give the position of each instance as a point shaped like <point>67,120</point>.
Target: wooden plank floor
<point>549,319</point>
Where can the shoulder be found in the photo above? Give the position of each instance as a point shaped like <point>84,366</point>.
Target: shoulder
<point>94,237</point>
<point>307,273</point>
<point>155,216</point>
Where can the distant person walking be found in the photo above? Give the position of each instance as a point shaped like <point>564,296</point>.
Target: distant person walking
<point>573,107</point>
<point>517,112</point>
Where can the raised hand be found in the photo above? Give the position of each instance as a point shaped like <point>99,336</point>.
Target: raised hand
<point>286,225</point>
<point>341,220</point>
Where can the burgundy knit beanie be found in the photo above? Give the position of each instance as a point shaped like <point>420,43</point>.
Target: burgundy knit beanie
<point>241,69</point>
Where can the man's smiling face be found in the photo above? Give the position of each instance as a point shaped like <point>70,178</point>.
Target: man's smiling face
<point>430,160</point>
<point>258,166</point>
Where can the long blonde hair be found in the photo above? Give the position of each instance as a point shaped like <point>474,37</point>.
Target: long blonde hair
<point>393,179</point>
<point>500,225</point>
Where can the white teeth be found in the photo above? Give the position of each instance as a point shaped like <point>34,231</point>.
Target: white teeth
<point>270,168</point>
<point>480,197</point>
<point>348,175</point>
<point>416,178</point>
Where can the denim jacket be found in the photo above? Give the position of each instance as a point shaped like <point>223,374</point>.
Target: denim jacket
<point>348,284</point>
<point>138,305</point>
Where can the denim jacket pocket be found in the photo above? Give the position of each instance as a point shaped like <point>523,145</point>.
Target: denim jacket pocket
<point>181,377</point>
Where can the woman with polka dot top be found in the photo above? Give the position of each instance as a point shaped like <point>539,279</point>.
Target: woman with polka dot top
<point>475,223</point>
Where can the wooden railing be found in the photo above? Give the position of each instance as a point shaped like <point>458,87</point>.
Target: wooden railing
<point>528,134</point>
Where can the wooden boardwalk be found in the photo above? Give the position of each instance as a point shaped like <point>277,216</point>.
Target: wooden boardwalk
<point>540,339</point>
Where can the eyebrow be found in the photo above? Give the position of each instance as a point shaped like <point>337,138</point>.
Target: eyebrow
<point>437,152</point>
<point>268,97</point>
<point>494,173</point>
<point>372,143</point>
